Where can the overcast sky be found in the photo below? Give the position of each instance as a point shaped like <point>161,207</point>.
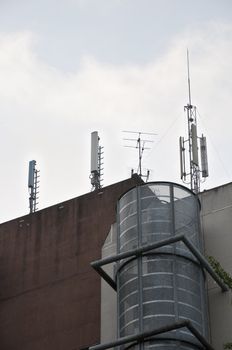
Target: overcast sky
<point>70,67</point>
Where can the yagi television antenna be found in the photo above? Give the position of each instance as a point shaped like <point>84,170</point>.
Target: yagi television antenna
<point>139,144</point>
<point>189,148</point>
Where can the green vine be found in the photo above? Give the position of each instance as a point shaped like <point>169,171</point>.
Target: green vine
<point>225,277</point>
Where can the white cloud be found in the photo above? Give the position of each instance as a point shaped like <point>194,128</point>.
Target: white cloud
<point>48,114</point>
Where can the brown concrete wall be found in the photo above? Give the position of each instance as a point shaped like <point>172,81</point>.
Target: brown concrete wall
<point>49,295</point>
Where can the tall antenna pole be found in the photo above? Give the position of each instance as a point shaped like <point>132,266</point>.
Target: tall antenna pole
<point>189,87</point>
<point>192,142</point>
<point>192,124</point>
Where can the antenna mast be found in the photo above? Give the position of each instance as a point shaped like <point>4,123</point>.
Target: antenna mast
<point>33,186</point>
<point>96,162</point>
<point>140,146</point>
<point>195,173</point>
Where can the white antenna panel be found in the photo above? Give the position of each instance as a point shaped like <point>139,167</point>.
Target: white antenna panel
<point>31,173</point>
<point>94,151</point>
<point>33,186</point>
<point>194,144</point>
<point>204,158</point>
<point>182,158</point>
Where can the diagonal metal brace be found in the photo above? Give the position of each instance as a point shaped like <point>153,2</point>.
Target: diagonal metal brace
<point>97,265</point>
<point>141,337</point>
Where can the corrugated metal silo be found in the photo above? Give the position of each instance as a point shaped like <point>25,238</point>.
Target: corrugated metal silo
<point>167,284</point>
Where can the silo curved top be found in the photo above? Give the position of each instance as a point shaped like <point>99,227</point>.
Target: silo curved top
<point>156,211</point>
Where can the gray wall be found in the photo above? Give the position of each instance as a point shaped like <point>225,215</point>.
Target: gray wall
<point>108,295</point>
<point>216,220</point>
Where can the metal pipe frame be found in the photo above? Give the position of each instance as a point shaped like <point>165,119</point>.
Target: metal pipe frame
<point>97,265</point>
<point>141,337</point>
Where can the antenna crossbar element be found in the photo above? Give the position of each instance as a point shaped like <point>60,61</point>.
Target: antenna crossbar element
<point>33,176</point>
<point>138,132</point>
<point>142,140</point>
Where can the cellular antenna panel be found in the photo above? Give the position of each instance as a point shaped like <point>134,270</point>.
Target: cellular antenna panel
<point>33,175</point>
<point>94,151</point>
<point>96,166</point>
<point>204,158</point>
<point>194,144</point>
<point>182,158</point>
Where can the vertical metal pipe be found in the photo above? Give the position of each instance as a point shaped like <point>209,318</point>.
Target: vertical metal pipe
<point>175,295</point>
<point>117,266</point>
<point>139,264</point>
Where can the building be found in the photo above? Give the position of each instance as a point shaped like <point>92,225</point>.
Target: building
<point>51,297</point>
<point>216,220</point>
